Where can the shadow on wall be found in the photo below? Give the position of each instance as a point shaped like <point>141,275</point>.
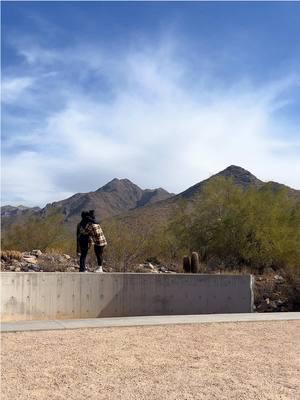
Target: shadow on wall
<point>29,296</point>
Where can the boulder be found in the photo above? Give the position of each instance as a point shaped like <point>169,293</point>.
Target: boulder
<point>35,268</point>
<point>30,259</point>
<point>67,257</point>
<point>36,253</point>
<point>279,278</point>
<point>163,269</point>
<point>149,265</point>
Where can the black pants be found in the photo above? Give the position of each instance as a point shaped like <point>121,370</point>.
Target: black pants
<point>84,247</point>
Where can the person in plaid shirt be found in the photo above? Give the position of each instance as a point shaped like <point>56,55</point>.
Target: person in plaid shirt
<point>93,231</point>
<point>96,234</point>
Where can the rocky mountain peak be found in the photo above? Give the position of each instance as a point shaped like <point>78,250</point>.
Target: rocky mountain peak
<point>119,185</point>
<point>240,176</point>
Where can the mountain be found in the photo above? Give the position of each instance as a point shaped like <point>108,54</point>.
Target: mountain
<point>239,176</point>
<point>122,198</point>
<point>116,197</point>
<point>11,211</point>
<point>162,210</point>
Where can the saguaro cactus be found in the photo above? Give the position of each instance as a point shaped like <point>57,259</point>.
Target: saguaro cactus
<point>186,264</point>
<point>195,262</point>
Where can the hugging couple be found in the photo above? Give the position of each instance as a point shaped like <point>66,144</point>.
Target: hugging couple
<point>89,232</point>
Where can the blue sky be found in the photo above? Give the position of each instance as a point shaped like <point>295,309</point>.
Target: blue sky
<point>162,93</point>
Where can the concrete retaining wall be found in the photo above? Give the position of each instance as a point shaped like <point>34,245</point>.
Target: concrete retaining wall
<point>55,295</point>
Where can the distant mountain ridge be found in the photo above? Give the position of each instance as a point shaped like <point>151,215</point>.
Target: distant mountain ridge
<point>162,211</point>
<point>115,197</point>
<point>239,175</point>
<point>10,211</point>
<point>121,197</point>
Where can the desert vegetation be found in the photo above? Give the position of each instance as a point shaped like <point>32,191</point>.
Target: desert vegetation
<point>49,234</point>
<point>229,226</point>
<point>240,227</point>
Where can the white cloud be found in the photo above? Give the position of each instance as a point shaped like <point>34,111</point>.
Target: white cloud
<point>13,88</point>
<point>158,129</point>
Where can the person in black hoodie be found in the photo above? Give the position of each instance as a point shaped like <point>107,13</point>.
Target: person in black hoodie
<point>83,240</point>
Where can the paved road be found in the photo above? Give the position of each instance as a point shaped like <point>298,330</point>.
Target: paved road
<point>21,326</point>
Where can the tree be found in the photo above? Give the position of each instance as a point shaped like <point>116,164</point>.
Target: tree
<point>255,227</point>
<point>44,233</point>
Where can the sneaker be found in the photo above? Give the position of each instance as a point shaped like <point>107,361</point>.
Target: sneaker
<point>99,269</point>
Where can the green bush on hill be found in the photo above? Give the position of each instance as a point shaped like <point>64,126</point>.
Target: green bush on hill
<point>47,234</point>
<point>259,228</point>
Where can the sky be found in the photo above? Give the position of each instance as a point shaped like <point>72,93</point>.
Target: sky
<point>162,93</point>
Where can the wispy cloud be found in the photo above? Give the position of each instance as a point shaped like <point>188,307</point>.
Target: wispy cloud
<point>12,88</point>
<point>138,114</point>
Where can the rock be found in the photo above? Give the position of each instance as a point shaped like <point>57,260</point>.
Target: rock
<point>12,267</point>
<point>284,309</point>
<point>273,304</point>
<point>172,267</point>
<point>67,257</point>
<point>18,269</point>
<point>279,278</point>
<point>147,265</point>
<point>35,268</point>
<point>268,270</point>
<point>163,269</point>
<point>36,253</point>
<point>71,269</point>
<point>280,304</point>
<point>30,259</point>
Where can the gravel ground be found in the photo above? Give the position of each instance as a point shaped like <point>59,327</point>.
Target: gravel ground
<point>252,360</point>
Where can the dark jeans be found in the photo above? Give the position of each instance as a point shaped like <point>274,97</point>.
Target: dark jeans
<point>84,248</point>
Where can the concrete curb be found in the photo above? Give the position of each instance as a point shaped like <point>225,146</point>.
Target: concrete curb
<point>25,326</point>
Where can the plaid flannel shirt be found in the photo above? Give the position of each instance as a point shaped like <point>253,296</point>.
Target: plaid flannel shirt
<point>96,234</point>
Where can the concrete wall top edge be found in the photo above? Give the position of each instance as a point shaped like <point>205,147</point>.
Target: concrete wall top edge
<point>119,273</point>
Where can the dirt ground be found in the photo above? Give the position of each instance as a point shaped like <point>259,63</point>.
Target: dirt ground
<point>251,360</point>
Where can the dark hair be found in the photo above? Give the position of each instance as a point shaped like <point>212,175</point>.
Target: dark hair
<point>91,216</point>
<point>84,214</point>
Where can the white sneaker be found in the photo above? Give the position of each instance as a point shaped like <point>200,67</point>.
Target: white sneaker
<point>99,269</point>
